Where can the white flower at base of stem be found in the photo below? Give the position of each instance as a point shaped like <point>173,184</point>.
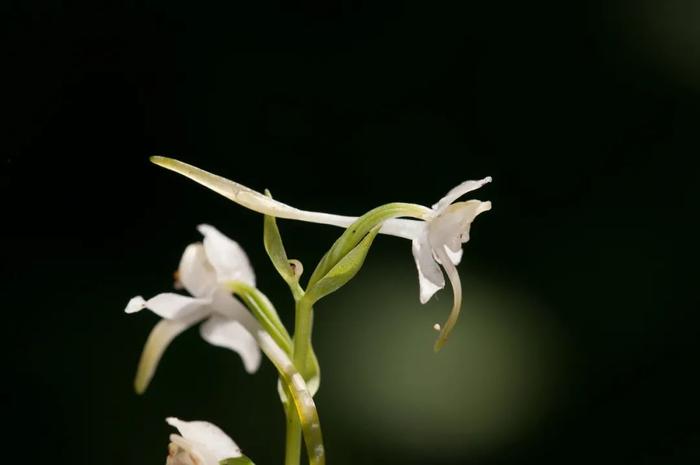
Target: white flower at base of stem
<point>199,443</point>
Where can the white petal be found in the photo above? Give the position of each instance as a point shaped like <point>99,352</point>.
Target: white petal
<point>454,256</point>
<point>451,227</point>
<point>226,256</point>
<point>483,207</point>
<point>430,277</point>
<point>174,306</point>
<point>161,335</point>
<point>457,192</point>
<point>136,304</point>
<point>195,272</point>
<point>229,307</point>
<point>181,452</point>
<point>206,437</point>
<point>228,333</point>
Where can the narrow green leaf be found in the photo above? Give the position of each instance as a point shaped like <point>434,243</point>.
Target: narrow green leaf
<point>343,271</point>
<point>263,310</point>
<point>242,460</point>
<point>290,270</point>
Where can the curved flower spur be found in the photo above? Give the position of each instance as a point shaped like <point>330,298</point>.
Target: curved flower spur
<point>436,233</point>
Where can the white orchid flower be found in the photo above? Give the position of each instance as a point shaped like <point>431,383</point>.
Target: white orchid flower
<point>204,270</point>
<point>439,242</point>
<point>199,443</point>
<point>437,234</point>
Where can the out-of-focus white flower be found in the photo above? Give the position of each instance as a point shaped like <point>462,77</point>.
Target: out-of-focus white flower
<point>199,443</point>
<point>437,233</point>
<point>204,270</point>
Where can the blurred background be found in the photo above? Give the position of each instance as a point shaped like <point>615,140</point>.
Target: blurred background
<point>579,330</point>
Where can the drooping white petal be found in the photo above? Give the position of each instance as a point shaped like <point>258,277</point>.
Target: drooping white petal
<point>226,256</point>
<point>457,192</point>
<point>136,304</point>
<point>430,277</point>
<point>206,439</point>
<point>158,340</point>
<point>230,334</point>
<point>168,305</point>
<point>195,272</point>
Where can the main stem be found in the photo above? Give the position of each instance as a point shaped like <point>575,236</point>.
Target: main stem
<point>303,324</point>
<point>292,453</point>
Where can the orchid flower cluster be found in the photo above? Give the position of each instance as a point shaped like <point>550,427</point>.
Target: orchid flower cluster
<point>236,315</point>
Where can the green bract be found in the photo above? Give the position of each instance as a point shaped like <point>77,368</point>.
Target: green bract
<point>342,271</point>
<point>290,270</point>
<point>357,231</point>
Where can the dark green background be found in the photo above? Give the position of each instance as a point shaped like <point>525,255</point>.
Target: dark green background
<point>586,114</point>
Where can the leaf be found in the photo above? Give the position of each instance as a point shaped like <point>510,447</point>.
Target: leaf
<point>263,311</point>
<point>343,271</point>
<point>290,270</point>
<point>242,460</point>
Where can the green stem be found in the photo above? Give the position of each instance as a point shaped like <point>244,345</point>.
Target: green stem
<point>303,324</point>
<point>298,396</point>
<point>292,453</point>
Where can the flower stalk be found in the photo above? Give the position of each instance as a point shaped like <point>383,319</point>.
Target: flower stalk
<point>436,233</point>
<point>238,316</point>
